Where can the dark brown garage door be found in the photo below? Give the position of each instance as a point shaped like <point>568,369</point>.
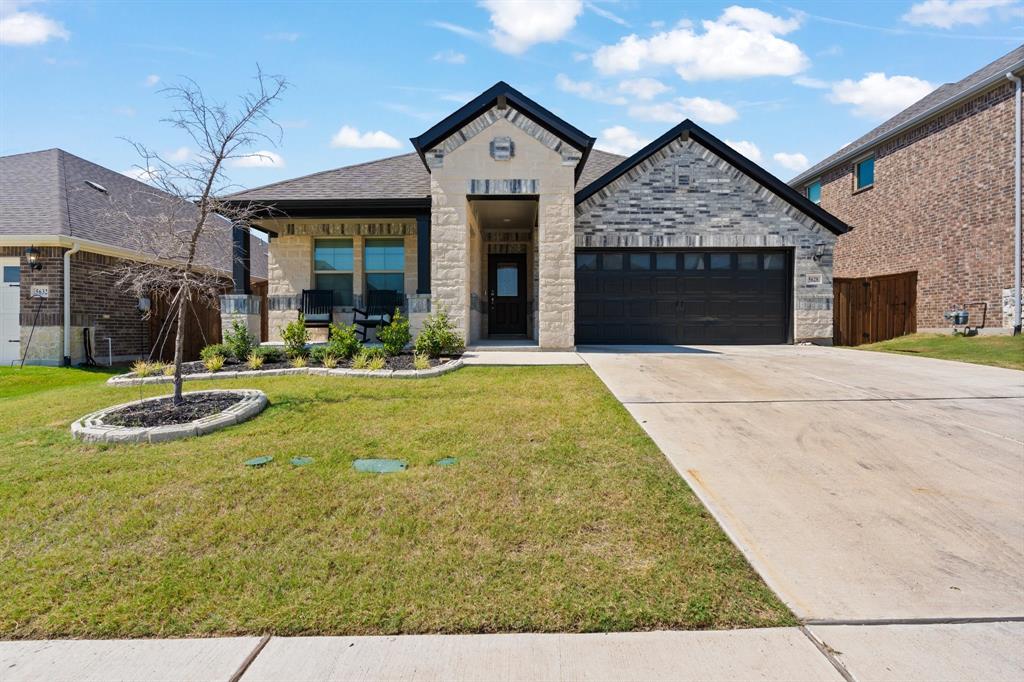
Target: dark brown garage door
<point>693,297</point>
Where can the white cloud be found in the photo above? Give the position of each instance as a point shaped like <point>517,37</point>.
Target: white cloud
<point>457,30</point>
<point>605,14</point>
<point>29,28</point>
<point>743,42</point>
<point>520,24</point>
<point>450,56</point>
<point>643,88</point>
<point>147,174</point>
<point>260,159</point>
<point>588,90</point>
<point>351,138</point>
<point>697,108</point>
<point>747,149</point>
<point>795,162</point>
<point>180,154</point>
<point>949,13</point>
<point>151,80</point>
<point>620,140</point>
<point>808,82</point>
<point>879,96</point>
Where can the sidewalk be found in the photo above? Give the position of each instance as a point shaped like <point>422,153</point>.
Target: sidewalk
<point>976,651</point>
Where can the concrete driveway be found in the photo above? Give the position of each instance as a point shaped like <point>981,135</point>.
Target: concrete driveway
<point>861,486</point>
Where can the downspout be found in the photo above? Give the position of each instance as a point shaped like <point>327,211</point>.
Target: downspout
<point>75,247</point>
<point>1016,205</point>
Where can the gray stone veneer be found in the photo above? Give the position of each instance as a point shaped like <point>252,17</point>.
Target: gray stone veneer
<point>685,196</point>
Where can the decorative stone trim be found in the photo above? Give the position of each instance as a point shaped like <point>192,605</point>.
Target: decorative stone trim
<point>351,229</point>
<point>450,366</point>
<point>91,428</point>
<point>504,186</point>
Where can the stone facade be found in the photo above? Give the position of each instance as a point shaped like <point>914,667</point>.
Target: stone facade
<point>941,205</point>
<point>687,197</point>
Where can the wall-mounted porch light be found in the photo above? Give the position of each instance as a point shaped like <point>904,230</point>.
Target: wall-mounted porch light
<point>32,256</point>
<point>144,304</point>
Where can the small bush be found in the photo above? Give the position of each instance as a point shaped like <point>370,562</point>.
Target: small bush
<point>376,363</point>
<point>368,357</point>
<point>254,361</point>
<point>395,336</point>
<point>343,342</point>
<point>144,368</point>
<point>239,340</point>
<point>169,370</point>
<point>298,361</point>
<point>329,361</point>
<point>439,336</point>
<point>214,363</point>
<point>317,353</point>
<point>269,354</point>
<point>420,361</point>
<point>295,337</point>
<point>221,349</point>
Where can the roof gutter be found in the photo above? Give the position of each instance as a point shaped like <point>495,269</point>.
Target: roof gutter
<point>911,123</point>
<point>1016,204</point>
<point>75,248</point>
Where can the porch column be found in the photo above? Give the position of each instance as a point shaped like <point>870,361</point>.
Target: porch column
<point>241,258</point>
<point>423,254</point>
<point>240,304</point>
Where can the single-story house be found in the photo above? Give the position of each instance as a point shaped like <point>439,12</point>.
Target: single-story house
<point>932,200</point>
<point>63,233</point>
<point>508,219</point>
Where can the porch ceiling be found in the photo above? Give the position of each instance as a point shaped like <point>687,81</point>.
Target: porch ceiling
<point>506,214</point>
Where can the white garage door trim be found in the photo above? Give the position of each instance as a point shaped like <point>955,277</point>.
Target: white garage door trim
<point>10,311</point>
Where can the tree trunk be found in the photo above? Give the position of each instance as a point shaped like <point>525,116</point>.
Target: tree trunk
<point>179,342</point>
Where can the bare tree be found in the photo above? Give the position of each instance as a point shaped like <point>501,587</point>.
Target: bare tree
<point>182,227</point>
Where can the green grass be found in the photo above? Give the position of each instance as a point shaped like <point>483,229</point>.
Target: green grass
<point>561,515</point>
<point>999,351</point>
<point>27,380</point>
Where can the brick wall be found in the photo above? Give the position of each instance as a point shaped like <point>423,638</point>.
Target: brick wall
<point>98,303</point>
<point>941,205</point>
<point>52,310</point>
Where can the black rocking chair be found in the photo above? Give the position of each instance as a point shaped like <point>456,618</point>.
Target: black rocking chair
<point>380,306</point>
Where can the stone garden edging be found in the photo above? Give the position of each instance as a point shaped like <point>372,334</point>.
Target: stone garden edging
<point>452,365</point>
<point>91,428</point>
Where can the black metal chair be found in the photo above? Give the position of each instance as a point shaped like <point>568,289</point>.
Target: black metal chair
<point>379,308</point>
<point>317,306</point>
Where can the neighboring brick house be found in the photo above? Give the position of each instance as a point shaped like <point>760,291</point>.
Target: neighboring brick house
<point>506,218</point>
<point>55,203</point>
<point>931,191</point>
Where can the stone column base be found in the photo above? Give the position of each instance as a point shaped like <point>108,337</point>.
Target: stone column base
<point>242,307</point>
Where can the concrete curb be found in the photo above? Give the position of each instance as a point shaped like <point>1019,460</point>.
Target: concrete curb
<point>91,428</point>
<point>450,366</point>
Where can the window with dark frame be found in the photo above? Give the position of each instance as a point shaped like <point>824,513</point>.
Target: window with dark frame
<point>864,173</point>
<point>813,192</point>
<point>384,264</point>
<point>332,268</point>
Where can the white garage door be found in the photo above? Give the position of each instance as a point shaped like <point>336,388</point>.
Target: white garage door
<point>10,305</point>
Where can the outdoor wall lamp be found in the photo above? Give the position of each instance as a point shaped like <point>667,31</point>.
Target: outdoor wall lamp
<point>32,256</point>
<point>144,304</point>
<point>819,251</point>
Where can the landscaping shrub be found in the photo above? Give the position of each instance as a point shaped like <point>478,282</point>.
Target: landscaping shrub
<point>254,361</point>
<point>439,337</point>
<point>369,358</point>
<point>395,336</point>
<point>239,340</point>
<point>298,361</point>
<point>317,353</point>
<point>269,354</point>
<point>143,368</point>
<point>221,349</point>
<point>295,337</point>
<point>214,363</point>
<point>343,342</point>
<point>420,361</point>
<point>330,362</point>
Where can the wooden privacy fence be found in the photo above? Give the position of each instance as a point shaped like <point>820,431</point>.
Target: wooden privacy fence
<point>202,327</point>
<point>870,309</point>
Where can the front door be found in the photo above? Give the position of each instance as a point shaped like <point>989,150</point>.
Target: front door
<point>506,294</point>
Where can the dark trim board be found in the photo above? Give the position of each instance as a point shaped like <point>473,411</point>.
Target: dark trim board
<point>688,129</point>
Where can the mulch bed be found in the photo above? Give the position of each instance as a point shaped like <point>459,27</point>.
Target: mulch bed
<point>403,361</point>
<point>164,412</point>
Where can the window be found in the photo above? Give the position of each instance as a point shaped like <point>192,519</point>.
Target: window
<point>814,191</point>
<point>746,261</point>
<point>774,261</point>
<point>611,261</point>
<point>639,261</point>
<point>665,261</point>
<point>586,261</point>
<point>332,268</point>
<point>508,279</point>
<point>864,173</point>
<point>12,274</point>
<point>693,261</point>
<point>721,261</point>
<point>385,265</point>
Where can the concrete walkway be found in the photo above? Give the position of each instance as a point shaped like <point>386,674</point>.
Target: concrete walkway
<point>988,652</point>
<point>522,357</point>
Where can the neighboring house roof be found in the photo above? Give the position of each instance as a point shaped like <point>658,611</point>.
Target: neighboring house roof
<point>47,193</point>
<point>935,102</point>
<point>734,158</point>
<point>500,94</point>
<point>395,178</point>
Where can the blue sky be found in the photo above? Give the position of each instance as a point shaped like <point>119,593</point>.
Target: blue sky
<point>786,83</point>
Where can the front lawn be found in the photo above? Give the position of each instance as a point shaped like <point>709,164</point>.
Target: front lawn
<point>23,381</point>
<point>560,515</point>
<point>1000,351</point>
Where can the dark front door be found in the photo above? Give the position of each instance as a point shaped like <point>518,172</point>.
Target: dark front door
<point>506,294</point>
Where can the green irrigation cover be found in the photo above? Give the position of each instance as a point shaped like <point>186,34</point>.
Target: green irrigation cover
<point>259,461</point>
<point>301,461</point>
<point>380,466</point>
<point>446,461</point>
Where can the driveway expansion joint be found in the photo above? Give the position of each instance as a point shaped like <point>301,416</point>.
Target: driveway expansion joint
<point>913,621</point>
<point>256,651</point>
<point>829,654</point>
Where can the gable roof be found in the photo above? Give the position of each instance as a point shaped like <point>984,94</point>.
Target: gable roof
<point>734,158</point>
<point>398,177</point>
<point>46,193</point>
<point>499,93</point>
<point>938,100</point>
